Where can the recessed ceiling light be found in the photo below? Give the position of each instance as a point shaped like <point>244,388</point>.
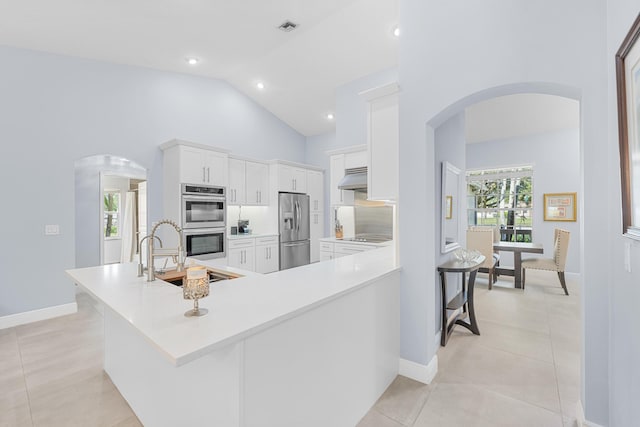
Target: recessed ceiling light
<point>260,85</point>
<point>396,31</point>
<point>330,116</point>
<point>192,61</point>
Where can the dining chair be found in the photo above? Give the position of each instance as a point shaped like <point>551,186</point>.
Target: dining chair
<point>481,239</point>
<point>560,247</point>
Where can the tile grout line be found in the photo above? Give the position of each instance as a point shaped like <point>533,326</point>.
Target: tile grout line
<point>24,378</point>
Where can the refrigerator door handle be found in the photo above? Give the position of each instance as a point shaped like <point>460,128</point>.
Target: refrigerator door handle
<point>289,245</point>
<point>299,218</point>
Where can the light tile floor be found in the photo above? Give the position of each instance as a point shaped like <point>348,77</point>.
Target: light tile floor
<point>524,370</point>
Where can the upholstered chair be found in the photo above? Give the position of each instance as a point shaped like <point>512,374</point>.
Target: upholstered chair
<point>481,239</point>
<point>560,248</point>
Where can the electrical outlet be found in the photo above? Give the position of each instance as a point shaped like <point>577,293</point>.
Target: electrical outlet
<point>51,230</point>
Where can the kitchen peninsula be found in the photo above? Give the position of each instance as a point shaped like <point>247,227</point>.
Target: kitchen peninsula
<point>314,345</point>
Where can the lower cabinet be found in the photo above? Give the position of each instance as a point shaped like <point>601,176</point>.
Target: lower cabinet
<point>267,258</point>
<point>242,254</point>
<point>259,254</point>
<point>326,251</point>
<point>331,250</point>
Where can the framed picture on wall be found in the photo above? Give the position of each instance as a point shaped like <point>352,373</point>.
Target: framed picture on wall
<point>628,83</point>
<point>449,207</point>
<point>560,206</point>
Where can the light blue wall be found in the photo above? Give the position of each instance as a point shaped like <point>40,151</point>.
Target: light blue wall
<point>450,147</point>
<point>555,157</point>
<point>56,109</point>
<point>451,57</point>
<point>624,287</point>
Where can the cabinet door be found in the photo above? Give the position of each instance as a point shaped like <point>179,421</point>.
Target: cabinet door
<point>315,191</point>
<point>285,178</point>
<point>192,166</point>
<point>383,148</point>
<point>242,258</point>
<point>357,159</point>
<point>299,180</point>
<point>216,168</point>
<point>257,183</point>
<point>326,256</point>
<point>339,197</point>
<point>236,189</point>
<point>267,258</point>
<point>316,231</point>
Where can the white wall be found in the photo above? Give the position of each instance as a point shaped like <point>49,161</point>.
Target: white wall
<point>56,109</point>
<point>453,55</point>
<point>555,157</point>
<point>624,287</point>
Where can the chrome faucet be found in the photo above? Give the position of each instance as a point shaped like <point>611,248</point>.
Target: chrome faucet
<point>177,254</point>
<point>141,268</point>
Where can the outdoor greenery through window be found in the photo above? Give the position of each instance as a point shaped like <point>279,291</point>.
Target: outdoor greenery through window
<point>502,198</point>
<point>111,213</point>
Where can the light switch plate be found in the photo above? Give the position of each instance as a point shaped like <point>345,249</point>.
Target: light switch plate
<point>51,229</point>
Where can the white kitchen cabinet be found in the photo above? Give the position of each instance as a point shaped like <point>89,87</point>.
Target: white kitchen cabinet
<point>267,257</point>
<point>357,159</point>
<point>315,190</point>
<point>248,182</point>
<point>315,232</point>
<point>242,254</point>
<point>326,250</point>
<point>257,183</point>
<point>343,249</point>
<point>237,180</point>
<point>292,179</point>
<point>338,197</point>
<point>382,142</point>
<point>200,166</point>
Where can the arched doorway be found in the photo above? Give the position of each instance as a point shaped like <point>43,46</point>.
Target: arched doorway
<point>110,209</point>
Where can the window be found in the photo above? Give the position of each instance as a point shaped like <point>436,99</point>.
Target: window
<point>111,213</point>
<point>502,198</point>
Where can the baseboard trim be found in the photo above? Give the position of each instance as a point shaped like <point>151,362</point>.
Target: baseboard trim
<point>37,315</point>
<point>421,373</point>
<point>580,419</point>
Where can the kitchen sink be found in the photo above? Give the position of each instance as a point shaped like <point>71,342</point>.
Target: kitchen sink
<point>175,278</point>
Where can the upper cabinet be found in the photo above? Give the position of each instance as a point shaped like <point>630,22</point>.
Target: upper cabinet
<point>257,183</point>
<point>202,166</point>
<point>382,141</point>
<point>248,182</point>
<point>291,179</point>
<point>315,190</point>
<point>190,163</point>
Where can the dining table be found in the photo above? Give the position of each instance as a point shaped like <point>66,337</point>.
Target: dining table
<point>518,248</point>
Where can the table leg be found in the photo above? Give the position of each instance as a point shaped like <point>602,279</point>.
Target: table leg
<point>517,274</point>
<point>472,325</point>
<point>443,334</point>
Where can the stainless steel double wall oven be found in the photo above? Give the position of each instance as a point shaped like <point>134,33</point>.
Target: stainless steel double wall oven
<point>204,220</point>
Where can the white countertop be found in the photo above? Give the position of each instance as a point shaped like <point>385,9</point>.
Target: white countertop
<point>237,308</point>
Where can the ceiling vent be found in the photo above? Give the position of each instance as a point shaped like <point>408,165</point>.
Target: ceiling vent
<point>287,26</point>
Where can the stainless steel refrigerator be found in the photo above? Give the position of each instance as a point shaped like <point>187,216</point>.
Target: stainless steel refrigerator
<point>293,218</point>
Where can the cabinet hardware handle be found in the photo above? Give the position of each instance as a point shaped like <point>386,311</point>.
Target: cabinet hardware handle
<point>208,174</point>
<point>203,175</point>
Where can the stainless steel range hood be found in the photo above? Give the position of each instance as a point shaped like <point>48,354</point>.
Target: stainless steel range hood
<point>354,179</point>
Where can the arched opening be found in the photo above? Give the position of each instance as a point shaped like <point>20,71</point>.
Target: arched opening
<point>541,313</point>
<point>110,209</point>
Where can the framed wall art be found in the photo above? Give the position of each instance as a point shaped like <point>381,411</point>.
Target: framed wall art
<point>628,84</point>
<point>560,206</point>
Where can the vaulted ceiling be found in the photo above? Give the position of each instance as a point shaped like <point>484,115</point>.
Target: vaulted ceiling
<point>336,41</point>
